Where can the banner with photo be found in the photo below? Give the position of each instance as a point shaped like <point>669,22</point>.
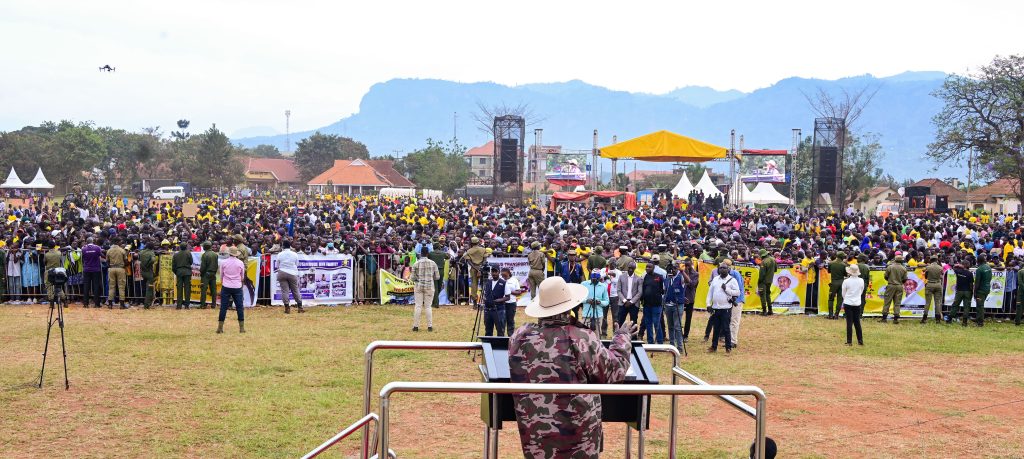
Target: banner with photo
<point>323,279</point>
<point>394,289</point>
<point>250,284</point>
<point>912,304</point>
<point>995,296</point>
<point>789,287</point>
<point>520,268</point>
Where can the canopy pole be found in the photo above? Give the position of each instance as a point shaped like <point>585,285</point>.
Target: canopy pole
<point>732,166</point>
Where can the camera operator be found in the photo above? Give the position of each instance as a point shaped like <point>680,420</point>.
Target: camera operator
<point>721,297</point>
<point>51,260</point>
<point>596,302</point>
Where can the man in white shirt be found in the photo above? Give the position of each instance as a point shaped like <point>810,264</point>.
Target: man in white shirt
<point>629,294</point>
<point>512,291</point>
<point>613,298</point>
<point>721,296</point>
<point>288,276</point>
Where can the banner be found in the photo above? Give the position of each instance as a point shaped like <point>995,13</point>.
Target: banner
<point>995,296</point>
<point>250,283</point>
<point>394,289</point>
<point>520,268</point>
<point>323,279</point>
<point>788,289</point>
<point>566,169</point>
<point>911,306</point>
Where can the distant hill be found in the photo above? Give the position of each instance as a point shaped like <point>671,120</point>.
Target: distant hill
<point>400,114</point>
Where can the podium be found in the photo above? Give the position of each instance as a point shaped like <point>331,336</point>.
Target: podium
<point>630,409</point>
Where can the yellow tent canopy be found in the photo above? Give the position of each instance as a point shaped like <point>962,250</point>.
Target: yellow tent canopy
<point>664,146</point>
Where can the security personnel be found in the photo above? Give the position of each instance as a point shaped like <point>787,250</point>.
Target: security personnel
<point>147,264</point>
<point>116,259</point>
<point>595,261</point>
<point>538,261</point>
<point>51,260</point>
<point>895,276</point>
<point>664,256</point>
<point>982,287</point>
<point>865,274</point>
<point>476,255</point>
<point>624,259</point>
<point>836,269</point>
<point>208,275</point>
<point>182,266</point>
<point>933,289</point>
<point>243,251</point>
<point>439,257</point>
<point>1020,298</point>
<point>765,274</point>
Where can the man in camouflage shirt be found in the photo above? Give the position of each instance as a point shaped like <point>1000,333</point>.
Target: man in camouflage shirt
<point>558,351</point>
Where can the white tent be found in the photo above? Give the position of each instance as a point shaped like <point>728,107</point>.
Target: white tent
<point>13,181</point>
<point>763,193</point>
<point>707,186</point>
<point>683,188</point>
<point>39,182</point>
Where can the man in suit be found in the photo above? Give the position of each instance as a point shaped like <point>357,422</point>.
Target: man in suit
<point>630,287</point>
<point>653,296</point>
<point>494,304</point>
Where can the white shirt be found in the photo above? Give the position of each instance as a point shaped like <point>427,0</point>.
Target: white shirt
<point>852,288</point>
<point>613,291</point>
<point>288,262</point>
<point>511,286</point>
<point>719,298</point>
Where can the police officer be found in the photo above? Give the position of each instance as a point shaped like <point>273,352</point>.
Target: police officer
<point>181,264</point>
<point>476,255</point>
<point>537,260</point>
<point>51,260</point>
<point>116,259</point>
<point>147,264</point>
<point>895,276</point>
<point>982,287</point>
<point>933,289</point>
<point>765,273</point>
<point>439,257</point>
<point>207,275</point>
<point>837,270</point>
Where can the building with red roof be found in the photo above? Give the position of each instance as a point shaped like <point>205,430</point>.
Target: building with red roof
<point>270,173</point>
<point>358,176</point>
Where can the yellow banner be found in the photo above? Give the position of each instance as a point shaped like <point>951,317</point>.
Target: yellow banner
<point>788,289</point>
<point>912,304</point>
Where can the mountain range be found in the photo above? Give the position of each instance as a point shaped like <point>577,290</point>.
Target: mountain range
<point>398,116</point>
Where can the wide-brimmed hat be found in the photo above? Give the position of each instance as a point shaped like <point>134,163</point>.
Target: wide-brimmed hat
<point>233,251</point>
<point>554,297</point>
<point>852,270</point>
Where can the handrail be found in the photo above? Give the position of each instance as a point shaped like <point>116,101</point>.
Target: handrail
<point>525,388</point>
<point>376,345</point>
<point>365,420</point>
<point>729,399</point>
<point>672,410</point>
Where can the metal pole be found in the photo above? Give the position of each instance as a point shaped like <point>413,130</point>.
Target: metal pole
<point>732,165</point>
<point>629,442</point>
<point>735,402</point>
<point>593,164</point>
<point>761,424</point>
<point>672,399</point>
<point>385,424</point>
<point>487,442</point>
<point>640,427</point>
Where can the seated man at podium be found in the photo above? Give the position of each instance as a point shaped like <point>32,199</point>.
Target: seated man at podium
<point>556,350</point>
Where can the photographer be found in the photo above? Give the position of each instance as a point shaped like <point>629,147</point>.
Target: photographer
<point>596,302</point>
<point>721,297</point>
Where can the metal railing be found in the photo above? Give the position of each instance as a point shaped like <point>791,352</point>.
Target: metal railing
<point>667,348</point>
<point>383,434</point>
<point>406,345</point>
<point>364,421</point>
<point>728,399</point>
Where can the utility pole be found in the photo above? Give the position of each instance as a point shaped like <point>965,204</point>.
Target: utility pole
<point>455,127</point>
<point>288,131</point>
<point>791,162</point>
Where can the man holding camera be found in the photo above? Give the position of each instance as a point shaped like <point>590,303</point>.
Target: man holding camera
<point>595,304</point>
<point>721,297</point>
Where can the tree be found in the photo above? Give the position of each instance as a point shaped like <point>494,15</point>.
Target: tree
<point>861,169</point>
<point>621,181</point>
<point>847,107</point>
<point>216,161</point>
<point>438,166</point>
<point>802,170</point>
<point>983,113</point>
<point>263,151</point>
<point>317,152</point>
<point>694,172</point>
<point>485,114</point>
<point>353,149</point>
<point>63,150</point>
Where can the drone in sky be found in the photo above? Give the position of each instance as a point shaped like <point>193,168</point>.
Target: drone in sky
<point>107,68</point>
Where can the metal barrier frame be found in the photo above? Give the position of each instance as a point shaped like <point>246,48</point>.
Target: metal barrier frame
<point>612,389</point>
<point>364,421</point>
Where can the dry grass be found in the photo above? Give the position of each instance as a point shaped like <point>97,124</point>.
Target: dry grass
<point>160,383</point>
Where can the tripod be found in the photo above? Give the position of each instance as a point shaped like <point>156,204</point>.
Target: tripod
<point>57,303</point>
<point>478,322</point>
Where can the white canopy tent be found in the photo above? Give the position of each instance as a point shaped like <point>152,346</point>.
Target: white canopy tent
<point>13,181</point>
<point>39,182</point>
<point>763,193</point>
<point>707,186</point>
<point>683,188</point>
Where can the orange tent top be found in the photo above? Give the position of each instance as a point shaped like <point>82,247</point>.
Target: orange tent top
<point>664,146</point>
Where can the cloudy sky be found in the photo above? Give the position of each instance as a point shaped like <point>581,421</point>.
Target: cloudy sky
<point>240,64</point>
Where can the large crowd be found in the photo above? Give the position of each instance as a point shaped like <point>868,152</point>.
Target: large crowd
<point>570,241</point>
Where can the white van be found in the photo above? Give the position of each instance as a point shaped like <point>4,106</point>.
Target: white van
<point>169,192</point>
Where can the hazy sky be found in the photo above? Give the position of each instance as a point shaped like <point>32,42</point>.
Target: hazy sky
<point>240,64</point>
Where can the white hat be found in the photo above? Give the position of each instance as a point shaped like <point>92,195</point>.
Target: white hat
<point>554,297</point>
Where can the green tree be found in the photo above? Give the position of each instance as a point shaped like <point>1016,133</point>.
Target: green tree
<point>217,164</point>
<point>353,149</point>
<point>861,166</point>
<point>438,166</point>
<point>803,170</point>
<point>694,172</point>
<point>621,181</point>
<point>317,153</point>
<point>263,151</point>
<point>983,113</point>
<point>63,150</point>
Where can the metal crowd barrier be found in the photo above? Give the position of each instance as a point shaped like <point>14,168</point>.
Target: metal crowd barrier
<point>364,421</point>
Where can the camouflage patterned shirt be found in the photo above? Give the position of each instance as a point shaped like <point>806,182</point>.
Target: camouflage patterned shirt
<point>557,352</point>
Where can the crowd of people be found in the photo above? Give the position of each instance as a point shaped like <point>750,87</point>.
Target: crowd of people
<point>146,244</point>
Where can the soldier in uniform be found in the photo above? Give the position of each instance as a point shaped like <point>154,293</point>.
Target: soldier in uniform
<point>537,260</point>
<point>147,264</point>
<point>182,266</point>
<point>895,276</point>
<point>208,275</point>
<point>476,255</point>
<point>51,260</point>
<point>117,258</point>
<point>664,256</point>
<point>243,251</point>
<point>624,259</point>
<point>837,269</point>
<point>557,350</point>
<point>982,287</point>
<point>933,289</point>
<point>165,266</point>
<point>595,261</point>
<point>765,273</point>
<point>438,256</point>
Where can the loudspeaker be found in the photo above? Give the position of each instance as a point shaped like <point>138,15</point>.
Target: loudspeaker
<point>828,158</point>
<point>941,203</point>
<point>508,162</point>
<point>914,191</point>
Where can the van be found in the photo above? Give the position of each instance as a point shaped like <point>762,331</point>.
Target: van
<point>169,192</point>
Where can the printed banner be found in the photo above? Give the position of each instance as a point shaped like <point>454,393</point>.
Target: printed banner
<point>912,304</point>
<point>520,268</point>
<point>323,279</point>
<point>995,296</point>
<point>249,285</point>
<point>394,289</point>
<point>787,291</point>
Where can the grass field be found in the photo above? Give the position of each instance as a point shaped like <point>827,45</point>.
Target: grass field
<point>160,383</point>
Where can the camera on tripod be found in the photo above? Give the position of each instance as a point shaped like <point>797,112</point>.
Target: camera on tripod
<point>57,276</point>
